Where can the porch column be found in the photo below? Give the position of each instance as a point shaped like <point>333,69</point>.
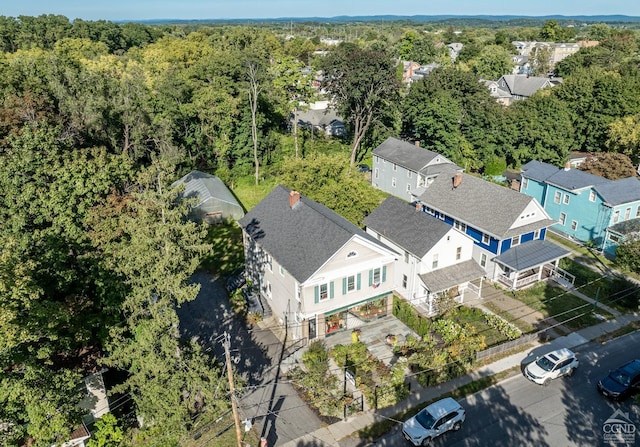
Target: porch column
<point>321,328</point>
<point>480,289</point>
<point>515,281</point>
<point>430,302</point>
<point>540,268</point>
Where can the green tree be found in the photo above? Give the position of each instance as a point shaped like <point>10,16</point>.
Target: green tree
<point>493,62</point>
<point>624,136</point>
<point>328,179</point>
<point>107,433</point>
<point>361,84</point>
<point>628,255</point>
<point>145,239</point>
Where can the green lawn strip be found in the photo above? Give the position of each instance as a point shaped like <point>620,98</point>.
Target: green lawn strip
<point>211,431</point>
<point>626,329</point>
<point>378,429</point>
<point>562,306</point>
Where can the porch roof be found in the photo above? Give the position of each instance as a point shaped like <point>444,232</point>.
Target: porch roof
<point>447,277</point>
<point>531,254</point>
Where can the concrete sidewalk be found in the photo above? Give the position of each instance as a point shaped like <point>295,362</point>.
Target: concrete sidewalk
<point>338,434</point>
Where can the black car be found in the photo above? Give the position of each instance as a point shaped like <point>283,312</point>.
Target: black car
<point>621,382</point>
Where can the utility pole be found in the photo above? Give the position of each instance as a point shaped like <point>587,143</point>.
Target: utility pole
<point>232,390</point>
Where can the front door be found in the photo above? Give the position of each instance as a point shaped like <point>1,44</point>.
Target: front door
<point>312,328</point>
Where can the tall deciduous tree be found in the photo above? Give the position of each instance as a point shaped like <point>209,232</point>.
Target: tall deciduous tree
<point>361,83</point>
<point>145,238</point>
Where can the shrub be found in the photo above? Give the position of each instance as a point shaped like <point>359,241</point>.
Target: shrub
<point>504,327</point>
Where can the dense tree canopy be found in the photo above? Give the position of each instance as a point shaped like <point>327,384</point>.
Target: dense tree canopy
<point>97,119</point>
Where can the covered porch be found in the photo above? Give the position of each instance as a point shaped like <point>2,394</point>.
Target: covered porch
<point>524,265</point>
<point>455,283</point>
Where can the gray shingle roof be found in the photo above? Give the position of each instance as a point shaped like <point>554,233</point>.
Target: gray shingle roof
<point>205,186</point>
<point>626,227</point>
<point>302,238</point>
<point>405,226</point>
<point>522,85</point>
<point>531,254</point>
<point>407,155</point>
<point>617,192</point>
<point>445,278</point>
<point>481,204</point>
<point>571,180</point>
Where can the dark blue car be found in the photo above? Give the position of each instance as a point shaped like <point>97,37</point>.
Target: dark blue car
<point>621,382</point>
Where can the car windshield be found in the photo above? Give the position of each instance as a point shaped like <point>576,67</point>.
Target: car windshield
<point>621,378</point>
<point>545,363</point>
<point>425,419</point>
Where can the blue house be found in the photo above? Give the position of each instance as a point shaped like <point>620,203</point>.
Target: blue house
<point>587,207</point>
<point>508,228</point>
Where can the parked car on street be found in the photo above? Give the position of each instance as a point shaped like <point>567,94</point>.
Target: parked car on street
<point>561,362</point>
<point>621,382</point>
<point>433,421</point>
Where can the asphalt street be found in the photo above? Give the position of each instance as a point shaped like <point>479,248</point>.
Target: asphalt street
<point>568,412</point>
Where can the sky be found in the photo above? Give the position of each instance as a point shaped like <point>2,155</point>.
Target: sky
<point>116,10</point>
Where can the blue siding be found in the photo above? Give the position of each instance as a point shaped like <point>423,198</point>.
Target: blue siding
<point>534,189</point>
<point>506,245</point>
<point>526,237</point>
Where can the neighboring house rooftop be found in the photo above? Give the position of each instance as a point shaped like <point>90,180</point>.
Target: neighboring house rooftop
<point>614,192</point>
<point>522,85</point>
<point>626,227</point>
<point>531,254</point>
<point>484,205</point>
<point>617,192</point>
<point>445,278</point>
<point>569,179</point>
<point>301,237</point>
<point>405,226</point>
<point>408,155</point>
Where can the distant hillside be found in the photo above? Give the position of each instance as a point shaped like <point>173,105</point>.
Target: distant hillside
<point>476,19</point>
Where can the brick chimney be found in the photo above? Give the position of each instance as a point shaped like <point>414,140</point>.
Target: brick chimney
<point>294,198</point>
<point>457,179</point>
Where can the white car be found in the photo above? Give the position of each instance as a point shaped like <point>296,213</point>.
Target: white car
<point>562,362</point>
<point>432,421</point>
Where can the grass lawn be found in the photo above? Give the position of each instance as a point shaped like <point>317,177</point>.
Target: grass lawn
<point>562,306</point>
<point>606,289</point>
<point>248,193</point>
<point>227,253</point>
<point>211,432</point>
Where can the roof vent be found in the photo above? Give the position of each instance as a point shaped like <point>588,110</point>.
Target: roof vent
<point>417,143</point>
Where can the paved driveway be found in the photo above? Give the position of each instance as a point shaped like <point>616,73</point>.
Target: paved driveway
<point>278,412</point>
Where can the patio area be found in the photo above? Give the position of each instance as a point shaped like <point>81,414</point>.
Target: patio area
<point>374,335</point>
